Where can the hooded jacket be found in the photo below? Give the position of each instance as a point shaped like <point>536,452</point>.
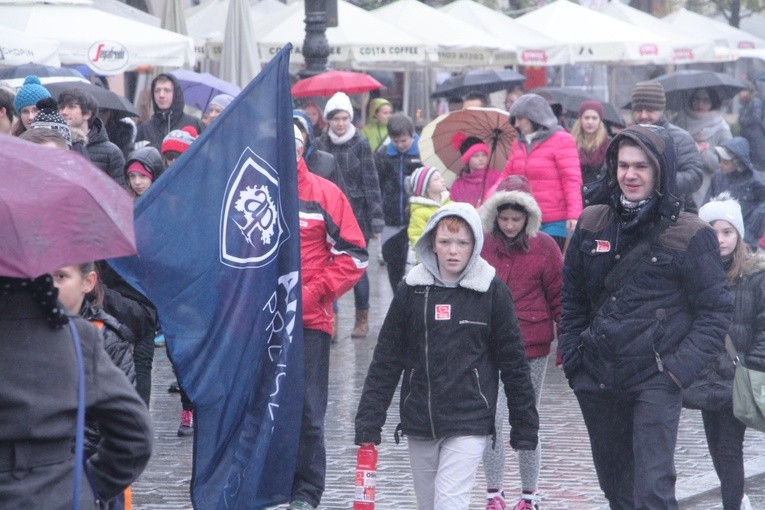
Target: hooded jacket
<point>534,276</point>
<point>104,154</point>
<point>151,160</point>
<point>451,342</point>
<point>671,311</point>
<point>162,122</point>
<point>751,118</point>
<point>333,253</point>
<point>421,209</point>
<point>689,170</point>
<point>393,167</point>
<point>550,161</point>
<point>746,185</point>
<point>375,132</point>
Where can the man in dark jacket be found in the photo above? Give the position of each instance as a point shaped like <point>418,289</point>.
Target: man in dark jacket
<point>648,104</point>
<point>394,162</point>
<point>751,118</point>
<point>167,101</point>
<point>645,308</point>
<point>80,110</point>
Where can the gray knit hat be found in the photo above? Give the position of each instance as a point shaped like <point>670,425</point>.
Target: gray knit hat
<point>648,95</point>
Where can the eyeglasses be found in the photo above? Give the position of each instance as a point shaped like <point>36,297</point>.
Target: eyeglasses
<point>699,100</point>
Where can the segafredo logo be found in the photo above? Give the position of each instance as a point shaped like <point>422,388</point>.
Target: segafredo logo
<point>531,56</point>
<point>649,49</point>
<point>108,56</point>
<point>252,227</point>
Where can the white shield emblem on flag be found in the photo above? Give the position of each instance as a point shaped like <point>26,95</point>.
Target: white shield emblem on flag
<point>252,227</point>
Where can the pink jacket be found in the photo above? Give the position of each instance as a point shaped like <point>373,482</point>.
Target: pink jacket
<point>552,168</point>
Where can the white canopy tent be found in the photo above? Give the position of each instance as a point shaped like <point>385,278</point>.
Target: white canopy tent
<point>206,23</point>
<point>362,39</point>
<point>594,37</point>
<point>751,22</point>
<point>687,47</point>
<point>530,47</point>
<point>450,41</point>
<point>727,38</point>
<point>106,43</point>
<point>124,10</point>
<point>18,48</point>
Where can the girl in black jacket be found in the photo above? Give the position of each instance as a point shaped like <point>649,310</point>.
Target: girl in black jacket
<point>746,278</point>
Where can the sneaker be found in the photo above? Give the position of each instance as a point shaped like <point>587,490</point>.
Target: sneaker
<point>187,424</point>
<point>300,505</point>
<point>159,340</point>
<point>496,503</point>
<point>745,503</point>
<point>527,502</point>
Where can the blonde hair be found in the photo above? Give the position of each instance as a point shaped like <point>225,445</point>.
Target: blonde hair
<point>585,143</point>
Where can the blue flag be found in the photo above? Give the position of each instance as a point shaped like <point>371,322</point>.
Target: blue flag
<point>219,256</point>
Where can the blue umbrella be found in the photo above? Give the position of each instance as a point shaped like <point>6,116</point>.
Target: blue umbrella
<point>200,88</point>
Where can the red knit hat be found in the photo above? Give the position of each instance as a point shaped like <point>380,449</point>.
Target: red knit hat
<point>137,166</point>
<point>468,145</point>
<point>179,140</point>
<point>591,104</point>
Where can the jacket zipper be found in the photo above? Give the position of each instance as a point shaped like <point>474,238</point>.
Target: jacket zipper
<point>427,364</point>
<point>465,321</point>
<point>480,391</point>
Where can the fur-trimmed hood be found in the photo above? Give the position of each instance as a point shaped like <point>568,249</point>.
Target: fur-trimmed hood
<point>477,275</point>
<point>489,210</point>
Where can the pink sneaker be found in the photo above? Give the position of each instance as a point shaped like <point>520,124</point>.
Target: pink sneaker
<point>496,503</point>
<point>187,424</point>
<point>527,502</point>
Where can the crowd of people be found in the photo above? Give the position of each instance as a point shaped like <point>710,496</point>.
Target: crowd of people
<point>637,249</point>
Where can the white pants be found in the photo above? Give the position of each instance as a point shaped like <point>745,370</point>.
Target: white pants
<point>443,470</point>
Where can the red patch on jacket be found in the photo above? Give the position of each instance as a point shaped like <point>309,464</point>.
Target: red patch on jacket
<point>443,312</point>
<point>603,246</point>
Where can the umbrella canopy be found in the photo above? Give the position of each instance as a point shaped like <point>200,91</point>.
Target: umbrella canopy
<point>239,58</point>
<point>200,88</point>
<point>678,85</point>
<point>571,98</point>
<point>39,70</point>
<point>481,80</point>
<point>106,43</point>
<point>489,124</point>
<point>360,39</point>
<point>726,37</point>
<point>326,84</point>
<point>173,18</point>
<point>57,209</point>
<point>105,98</point>
<point>529,46</point>
<point>16,48</point>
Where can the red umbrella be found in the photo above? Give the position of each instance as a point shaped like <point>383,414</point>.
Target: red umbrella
<point>57,209</point>
<point>326,84</point>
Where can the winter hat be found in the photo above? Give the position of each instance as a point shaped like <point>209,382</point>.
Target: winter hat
<point>339,102</point>
<point>591,104</point>
<point>29,93</point>
<point>48,117</point>
<point>137,166</point>
<point>222,100</point>
<point>724,209</point>
<point>515,183</point>
<point>468,145</point>
<point>723,153</point>
<point>648,95</point>
<point>179,140</point>
<point>298,137</point>
<point>420,179</point>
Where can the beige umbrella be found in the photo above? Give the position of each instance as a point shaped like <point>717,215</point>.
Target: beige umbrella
<point>240,60</point>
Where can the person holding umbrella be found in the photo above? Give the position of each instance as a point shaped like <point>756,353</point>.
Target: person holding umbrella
<point>477,178</point>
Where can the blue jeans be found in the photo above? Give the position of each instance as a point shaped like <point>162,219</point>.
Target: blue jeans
<point>361,293</point>
<point>311,466</point>
<point>725,438</point>
<point>632,435</point>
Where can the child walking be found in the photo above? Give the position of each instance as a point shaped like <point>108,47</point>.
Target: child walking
<point>427,189</point>
<point>477,177</point>
<point>746,279</point>
<point>451,330</point>
<point>531,264</point>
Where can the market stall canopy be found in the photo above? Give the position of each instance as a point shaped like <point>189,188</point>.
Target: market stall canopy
<point>106,43</point>
<point>19,48</point>
<point>530,47</point>
<point>596,38</point>
<point>125,11</point>
<point>361,39</point>
<point>450,41</point>
<point>206,23</point>
<point>726,37</point>
<point>686,46</point>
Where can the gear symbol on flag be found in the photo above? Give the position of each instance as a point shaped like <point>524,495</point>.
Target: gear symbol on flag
<point>259,212</point>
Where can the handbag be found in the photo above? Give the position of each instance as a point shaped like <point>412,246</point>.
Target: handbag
<point>713,388</point>
<point>749,397</point>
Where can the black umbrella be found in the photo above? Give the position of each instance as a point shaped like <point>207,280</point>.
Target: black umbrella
<point>570,99</point>
<point>39,70</point>
<point>105,98</point>
<point>678,85</point>
<point>480,80</point>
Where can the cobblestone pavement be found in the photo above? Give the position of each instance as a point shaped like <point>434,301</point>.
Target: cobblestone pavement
<point>567,480</point>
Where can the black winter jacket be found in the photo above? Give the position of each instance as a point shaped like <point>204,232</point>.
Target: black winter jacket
<point>104,154</point>
<point>162,122</point>
<point>751,118</point>
<point>393,167</point>
<point>673,309</point>
<point>690,169</point>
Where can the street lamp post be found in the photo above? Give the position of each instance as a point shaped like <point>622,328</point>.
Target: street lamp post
<point>315,45</point>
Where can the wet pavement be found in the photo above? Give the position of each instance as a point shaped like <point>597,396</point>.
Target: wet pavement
<point>567,478</point>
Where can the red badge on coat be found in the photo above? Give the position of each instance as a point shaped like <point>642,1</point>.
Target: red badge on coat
<point>603,246</point>
<point>443,312</point>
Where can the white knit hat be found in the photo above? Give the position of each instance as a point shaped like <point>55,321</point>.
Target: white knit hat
<point>340,101</point>
<point>726,209</point>
<point>299,143</point>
